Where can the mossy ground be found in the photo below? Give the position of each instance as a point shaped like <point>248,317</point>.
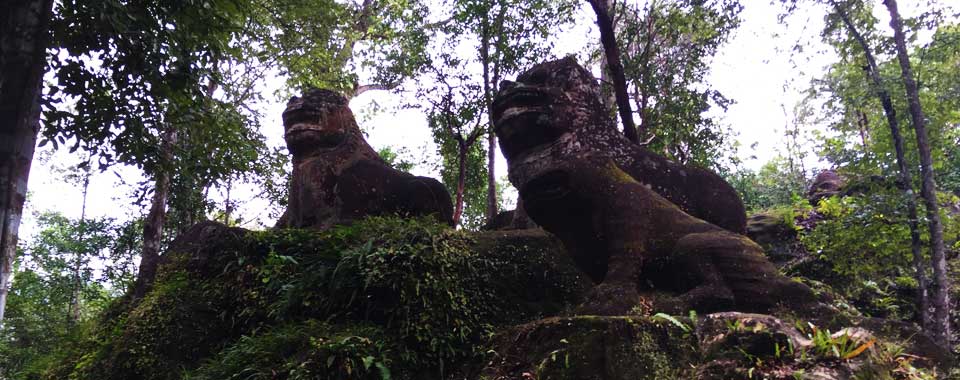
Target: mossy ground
<point>592,347</point>
<point>382,299</point>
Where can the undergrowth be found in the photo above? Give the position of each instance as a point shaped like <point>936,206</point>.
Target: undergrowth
<point>383,298</point>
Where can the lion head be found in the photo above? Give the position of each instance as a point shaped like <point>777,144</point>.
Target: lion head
<point>318,121</point>
<point>546,102</point>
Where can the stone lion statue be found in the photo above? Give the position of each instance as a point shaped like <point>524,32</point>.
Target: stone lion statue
<point>641,226</point>
<point>337,177</point>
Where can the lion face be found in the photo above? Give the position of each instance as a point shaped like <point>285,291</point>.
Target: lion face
<point>525,117</point>
<point>542,105</point>
<point>312,123</point>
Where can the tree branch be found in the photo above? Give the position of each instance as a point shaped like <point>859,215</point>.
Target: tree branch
<point>374,87</point>
<point>615,66</point>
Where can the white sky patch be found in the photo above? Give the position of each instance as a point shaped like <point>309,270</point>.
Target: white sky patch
<point>759,71</point>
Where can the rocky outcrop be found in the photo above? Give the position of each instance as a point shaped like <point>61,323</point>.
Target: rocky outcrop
<point>412,293</point>
<point>338,178</point>
<point>827,184</point>
<point>416,300</point>
<point>501,222</point>
<point>591,348</point>
<point>356,297</point>
<point>516,219</point>
<point>776,236</point>
<point>719,346</point>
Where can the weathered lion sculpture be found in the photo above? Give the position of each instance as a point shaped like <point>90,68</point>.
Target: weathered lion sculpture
<point>540,91</point>
<point>615,205</point>
<point>337,177</point>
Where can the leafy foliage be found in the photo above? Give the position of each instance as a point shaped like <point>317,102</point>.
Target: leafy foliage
<point>330,44</point>
<point>666,48</point>
<point>115,95</point>
<point>161,86</point>
<point>859,139</point>
<point>399,278</point>
<point>888,361</point>
<point>395,160</point>
<point>863,239</point>
<point>776,184</point>
<point>69,264</point>
<point>503,37</point>
<point>307,350</point>
<point>455,116</point>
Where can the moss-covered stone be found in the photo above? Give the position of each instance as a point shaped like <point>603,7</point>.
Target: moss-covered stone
<point>776,233</point>
<point>740,335</point>
<point>532,276</point>
<point>429,293</point>
<point>592,347</point>
<point>198,302</point>
<point>410,298</point>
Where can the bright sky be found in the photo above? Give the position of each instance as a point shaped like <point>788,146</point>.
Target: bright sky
<point>753,69</point>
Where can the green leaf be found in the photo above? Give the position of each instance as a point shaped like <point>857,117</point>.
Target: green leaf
<point>674,321</point>
<point>367,362</point>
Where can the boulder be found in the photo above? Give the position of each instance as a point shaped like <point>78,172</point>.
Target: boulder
<point>502,221</point>
<point>591,348</point>
<point>776,236</point>
<point>827,184</point>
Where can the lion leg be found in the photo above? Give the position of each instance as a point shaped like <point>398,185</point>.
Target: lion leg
<point>617,294</point>
<point>695,271</point>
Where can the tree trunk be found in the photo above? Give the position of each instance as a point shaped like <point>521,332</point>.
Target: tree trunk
<point>153,224</point>
<point>491,211</point>
<point>928,188</point>
<point>492,205</point>
<point>644,111</point>
<point>81,251</point>
<point>863,124</point>
<point>906,178</point>
<point>461,182</point>
<point>228,203</point>
<point>609,98</point>
<point>615,65</point>
<point>23,43</point>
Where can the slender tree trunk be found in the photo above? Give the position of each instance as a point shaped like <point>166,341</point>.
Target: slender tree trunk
<point>863,124</point>
<point>189,192</point>
<point>461,182</point>
<point>493,206</point>
<point>153,224</point>
<point>81,251</point>
<point>609,98</point>
<point>491,211</point>
<point>644,111</point>
<point>615,65</point>
<point>906,178</point>
<point>228,203</point>
<point>23,42</point>
<point>928,188</point>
